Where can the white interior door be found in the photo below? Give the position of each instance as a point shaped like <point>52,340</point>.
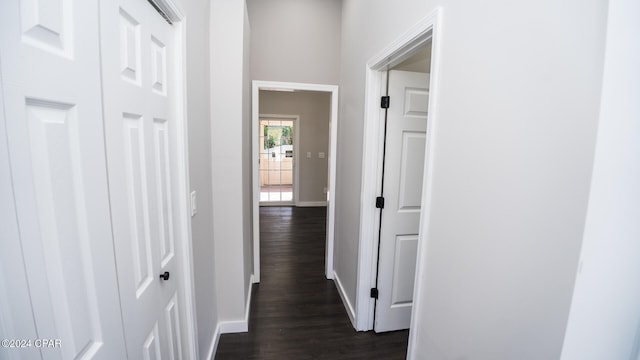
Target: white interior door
<point>58,275</point>
<point>138,58</point>
<point>402,190</point>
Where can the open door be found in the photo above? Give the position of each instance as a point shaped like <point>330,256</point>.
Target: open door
<point>402,192</point>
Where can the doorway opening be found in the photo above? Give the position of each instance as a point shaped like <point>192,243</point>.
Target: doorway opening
<point>277,159</point>
<point>276,163</point>
<point>390,256</point>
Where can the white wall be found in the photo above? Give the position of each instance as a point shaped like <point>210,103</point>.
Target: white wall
<point>518,107</point>
<point>295,40</point>
<point>605,314</point>
<point>199,134</point>
<point>314,109</point>
<point>231,230</point>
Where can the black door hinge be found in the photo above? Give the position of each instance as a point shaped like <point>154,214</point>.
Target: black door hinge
<point>379,202</point>
<point>374,293</point>
<point>384,102</point>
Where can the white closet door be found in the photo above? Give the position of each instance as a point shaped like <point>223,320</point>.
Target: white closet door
<point>404,165</point>
<point>140,94</point>
<point>58,278</point>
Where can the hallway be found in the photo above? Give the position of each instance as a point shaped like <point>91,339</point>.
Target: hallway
<point>295,312</point>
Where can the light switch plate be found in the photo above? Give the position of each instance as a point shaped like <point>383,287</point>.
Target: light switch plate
<point>194,206</point>
<point>321,155</point>
<point>308,154</point>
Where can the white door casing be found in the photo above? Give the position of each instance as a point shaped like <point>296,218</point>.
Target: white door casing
<point>139,57</point>
<point>331,181</point>
<point>58,278</point>
<point>402,189</point>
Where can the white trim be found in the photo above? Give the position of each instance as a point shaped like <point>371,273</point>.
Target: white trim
<point>394,53</point>
<point>170,8</point>
<point>331,187</point>
<point>255,99</point>
<point>371,187</point>
<point>311,203</point>
<point>296,158</point>
<point>404,46</point>
<point>238,326</point>
<point>276,204</point>
<point>232,327</point>
<point>182,136</point>
<point>213,347</point>
<point>427,182</point>
<point>247,306</point>
<point>345,299</point>
<point>296,153</point>
<point>255,169</point>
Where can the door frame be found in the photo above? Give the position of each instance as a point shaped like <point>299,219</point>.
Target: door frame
<point>295,176</point>
<point>176,15</point>
<point>427,29</point>
<point>331,194</point>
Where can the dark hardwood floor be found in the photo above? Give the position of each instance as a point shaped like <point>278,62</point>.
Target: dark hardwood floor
<point>296,313</point>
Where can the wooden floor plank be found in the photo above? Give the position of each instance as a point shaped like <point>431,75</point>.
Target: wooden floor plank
<point>296,313</point>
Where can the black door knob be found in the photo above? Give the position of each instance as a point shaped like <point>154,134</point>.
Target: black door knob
<point>164,276</point>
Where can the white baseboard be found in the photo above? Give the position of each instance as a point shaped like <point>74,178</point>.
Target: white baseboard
<point>247,307</point>
<point>345,299</point>
<point>214,343</point>
<point>311,203</point>
<point>232,327</point>
<point>238,326</point>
